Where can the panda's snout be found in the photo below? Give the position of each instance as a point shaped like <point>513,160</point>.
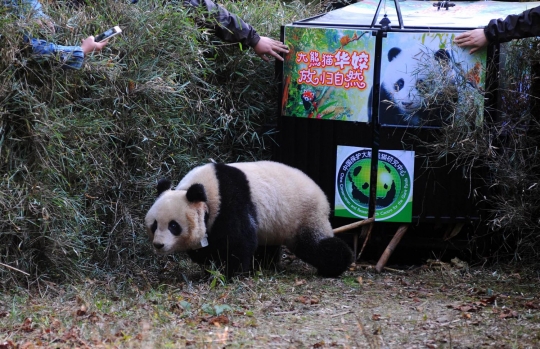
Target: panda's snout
<point>158,246</point>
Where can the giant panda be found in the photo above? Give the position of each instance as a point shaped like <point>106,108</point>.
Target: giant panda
<point>222,213</point>
<point>401,102</point>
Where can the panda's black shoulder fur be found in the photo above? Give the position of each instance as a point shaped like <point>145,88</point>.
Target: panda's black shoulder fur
<point>234,232</point>
<point>235,195</point>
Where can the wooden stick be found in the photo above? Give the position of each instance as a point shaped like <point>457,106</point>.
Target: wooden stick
<point>10,267</point>
<point>391,247</point>
<point>354,225</point>
<point>368,234</point>
<point>369,266</point>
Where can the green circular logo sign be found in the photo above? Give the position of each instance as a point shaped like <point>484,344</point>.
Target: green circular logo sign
<point>393,187</point>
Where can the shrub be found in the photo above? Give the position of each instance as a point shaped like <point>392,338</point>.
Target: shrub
<point>81,150</point>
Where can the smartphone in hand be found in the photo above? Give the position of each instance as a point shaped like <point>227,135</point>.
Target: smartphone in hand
<point>108,34</point>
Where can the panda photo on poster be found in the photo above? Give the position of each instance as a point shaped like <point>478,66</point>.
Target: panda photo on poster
<point>428,81</point>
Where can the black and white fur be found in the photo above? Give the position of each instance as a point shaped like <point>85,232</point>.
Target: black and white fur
<point>222,213</point>
<point>401,102</point>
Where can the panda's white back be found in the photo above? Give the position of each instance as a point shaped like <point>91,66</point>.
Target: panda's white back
<point>286,200</point>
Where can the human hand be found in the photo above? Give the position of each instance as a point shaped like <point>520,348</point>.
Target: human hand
<point>46,24</point>
<point>268,46</point>
<point>90,45</point>
<point>476,39</point>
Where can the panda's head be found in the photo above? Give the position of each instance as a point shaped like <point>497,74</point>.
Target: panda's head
<point>402,78</point>
<point>407,71</point>
<point>177,220</point>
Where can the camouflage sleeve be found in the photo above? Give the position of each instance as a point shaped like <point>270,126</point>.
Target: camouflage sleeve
<point>227,26</point>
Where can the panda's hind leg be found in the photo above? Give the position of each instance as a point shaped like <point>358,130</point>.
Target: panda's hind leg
<point>330,255</point>
<point>268,257</point>
<point>335,257</point>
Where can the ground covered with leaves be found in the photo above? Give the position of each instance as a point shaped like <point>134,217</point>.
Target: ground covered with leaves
<point>435,305</point>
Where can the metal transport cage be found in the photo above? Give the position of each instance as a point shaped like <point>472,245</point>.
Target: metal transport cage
<point>353,89</point>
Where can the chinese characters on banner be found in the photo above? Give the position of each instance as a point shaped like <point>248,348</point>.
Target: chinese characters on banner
<point>349,75</point>
<point>328,73</point>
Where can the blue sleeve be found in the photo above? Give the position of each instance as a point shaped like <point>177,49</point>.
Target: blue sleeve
<point>26,8</point>
<point>69,56</point>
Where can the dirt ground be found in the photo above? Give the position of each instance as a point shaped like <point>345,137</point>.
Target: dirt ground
<point>436,305</point>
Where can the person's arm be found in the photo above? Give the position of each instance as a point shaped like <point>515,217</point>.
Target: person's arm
<point>69,56</point>
<point>227,26</point>
<point>524,25</point>
<point>231,28</point>
<point>475,39</point>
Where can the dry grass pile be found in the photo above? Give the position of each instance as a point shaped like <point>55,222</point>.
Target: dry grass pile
<point>501,145</point>
<point>80,150</point>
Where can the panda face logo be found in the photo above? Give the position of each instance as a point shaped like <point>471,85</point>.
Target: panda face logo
<point>175,224</point>
<point>402,80</point>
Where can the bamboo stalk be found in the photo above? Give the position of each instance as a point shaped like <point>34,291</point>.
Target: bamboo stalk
<point>391,247</point>
<point>353,225</point>
<point>10,267</point>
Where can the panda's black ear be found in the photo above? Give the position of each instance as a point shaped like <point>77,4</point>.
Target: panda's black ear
<point>442,55</point>
<point>196,193</point>
<point>393,53</point>
<point>162,185</point>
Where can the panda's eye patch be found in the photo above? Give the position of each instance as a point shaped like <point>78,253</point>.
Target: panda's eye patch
<point>153,227</point>
<point>175,228</point>
<point>399,85</point>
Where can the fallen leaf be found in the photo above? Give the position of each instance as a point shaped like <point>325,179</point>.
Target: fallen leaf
<point>27,325</point>
<point>531,305</point>
<point>490,300</point>
<point>508,314</point>
<point>319,345</point>
<point>219,320</point>
<point>82,310</point>
<point>404,282</point>
<point>299,282</point>
<point>28,345</point>
<point>7,345</point>
<point>307,300</point>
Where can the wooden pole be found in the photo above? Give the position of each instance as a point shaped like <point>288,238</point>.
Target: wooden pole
<point>391,247</point>
<point>353,225</point>
<point>368,235</point>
